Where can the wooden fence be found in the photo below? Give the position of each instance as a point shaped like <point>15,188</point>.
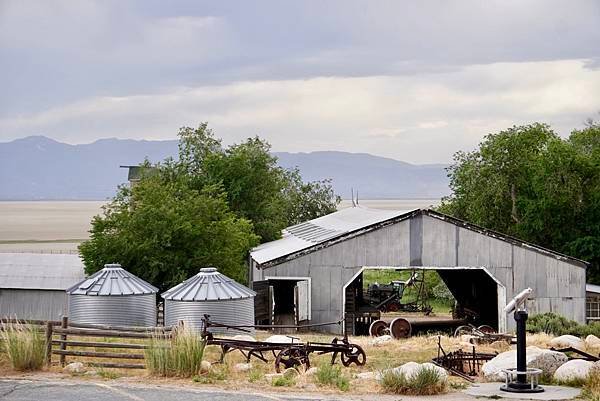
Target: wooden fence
<point>61,339</point>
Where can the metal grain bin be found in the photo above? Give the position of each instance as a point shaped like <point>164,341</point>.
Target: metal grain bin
<point>212,293</point>
<point>113,296</point>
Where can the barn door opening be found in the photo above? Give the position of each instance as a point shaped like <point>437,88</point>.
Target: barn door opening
<point>283,301</point>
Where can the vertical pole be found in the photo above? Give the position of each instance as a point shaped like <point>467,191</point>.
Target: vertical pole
<point>63,345</point>
<point>48,344</point>
<point>521,319</point>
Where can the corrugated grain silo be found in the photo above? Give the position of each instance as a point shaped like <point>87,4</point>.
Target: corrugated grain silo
<point>212,293</point>
<point>113,296</point>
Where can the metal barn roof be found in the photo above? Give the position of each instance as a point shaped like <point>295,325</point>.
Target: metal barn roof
<point>112,280</point>
<point>39,271</point>
<point>208,285</point>
<point>305,235</point>
<point>592,288</point>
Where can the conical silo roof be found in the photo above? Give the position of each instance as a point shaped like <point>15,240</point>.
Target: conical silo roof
<point>208,285</point>
<point>112,280</point>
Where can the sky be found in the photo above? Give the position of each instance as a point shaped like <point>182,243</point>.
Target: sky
<point>411,80</point>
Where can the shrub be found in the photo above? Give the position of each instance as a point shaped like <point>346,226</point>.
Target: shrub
<point>25,346</point>
<point>182,357</point>
<point>331,375</point>
<point>284,381</point>
<point>427,381</point>
<point>558,325</point>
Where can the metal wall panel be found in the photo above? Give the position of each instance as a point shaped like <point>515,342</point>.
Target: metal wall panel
<point>234,312</point>
<point>439,242</point>
<point>33,304</point>
<point>125,310</point>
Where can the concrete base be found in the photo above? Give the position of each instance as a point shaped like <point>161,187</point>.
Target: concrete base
<point>550,392</point>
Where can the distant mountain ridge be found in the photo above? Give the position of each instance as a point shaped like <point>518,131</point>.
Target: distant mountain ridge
<point>40,168</point>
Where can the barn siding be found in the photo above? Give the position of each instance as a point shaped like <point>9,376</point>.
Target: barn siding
<point>33,304</point>
<point>423,240</point>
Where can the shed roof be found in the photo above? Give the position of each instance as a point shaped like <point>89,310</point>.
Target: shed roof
<point>112,280</point>
<point>347,223</point>
<point>40,271</point>
<point>592,288</point>
<point>208,285</point>
<point>305,235</point>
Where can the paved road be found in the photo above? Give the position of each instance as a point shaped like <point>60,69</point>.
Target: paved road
<point>75,390</point>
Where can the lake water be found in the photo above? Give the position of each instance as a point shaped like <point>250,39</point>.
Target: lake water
<point>59,226</point>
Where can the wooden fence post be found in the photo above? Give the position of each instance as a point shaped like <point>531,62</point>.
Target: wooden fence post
<point>63,345</point>
<point>48,344</point>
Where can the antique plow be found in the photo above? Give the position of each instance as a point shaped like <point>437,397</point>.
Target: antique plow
<point>460,363</point>
<point>287,355</point>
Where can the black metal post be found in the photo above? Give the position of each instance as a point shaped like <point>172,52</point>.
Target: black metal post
<point>521,319</point>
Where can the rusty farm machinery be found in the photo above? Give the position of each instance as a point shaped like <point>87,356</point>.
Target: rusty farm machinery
<point>294,354</point>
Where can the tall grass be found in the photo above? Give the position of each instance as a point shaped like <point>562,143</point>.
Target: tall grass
<point>25,346</point>
<point>181,356</point>
<point>427,381</point>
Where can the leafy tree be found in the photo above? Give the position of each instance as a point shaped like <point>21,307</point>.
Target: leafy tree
<point>308,200</point>
<point>528,182</point>
<point>208,207</point>
<point>256,187</point>
<point>163,231</point>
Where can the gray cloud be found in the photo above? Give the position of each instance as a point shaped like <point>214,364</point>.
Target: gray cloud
<point>412,80</point>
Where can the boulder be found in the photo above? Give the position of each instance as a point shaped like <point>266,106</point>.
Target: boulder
<point>592,341</point>
<point>242,367</point>
<point>74,367</point>
<point>366,375</point>
<point>291,372</point>
<point>410,369</point>
<point>204,367</point>
<point>311,371</point>
<point>566,341</point>
<point>379,341</point>
<point>573,370</point>
<point>281,339</point>
<point>546,360</point>
<point>243,337</point>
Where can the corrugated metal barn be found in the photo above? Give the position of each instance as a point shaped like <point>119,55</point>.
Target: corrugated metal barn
<point>313,268</point>
<point>32,285</point>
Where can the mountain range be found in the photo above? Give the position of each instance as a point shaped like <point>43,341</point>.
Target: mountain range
<point>40,168</point>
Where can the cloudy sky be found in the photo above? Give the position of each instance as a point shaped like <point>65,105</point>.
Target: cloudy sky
<point>411,80</point>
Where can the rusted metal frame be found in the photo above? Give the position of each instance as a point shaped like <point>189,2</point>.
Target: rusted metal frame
<point>585,355</point>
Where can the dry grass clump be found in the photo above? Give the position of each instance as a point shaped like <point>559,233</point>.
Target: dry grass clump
<point>427,381</point>
<point>591,386</point>
<point>181,356</point>
<point>24,345</point>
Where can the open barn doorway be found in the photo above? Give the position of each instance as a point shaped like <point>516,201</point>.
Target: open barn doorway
<point>283,300</point>
<point>477,297</point>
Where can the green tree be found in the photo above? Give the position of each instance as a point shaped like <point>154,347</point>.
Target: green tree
<point>163,231</point>
<point>528,182</point>
<point>257,188</point>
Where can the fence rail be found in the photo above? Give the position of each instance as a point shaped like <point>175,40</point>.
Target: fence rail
<point>59,343</point>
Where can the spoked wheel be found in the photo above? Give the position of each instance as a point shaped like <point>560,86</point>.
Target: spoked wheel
<point>291,358</point>
<point>460,330</point>
<point>392,307</point>
<point>378,328</point>
<point>484,328</point>
<point>400,328</point>
<point>355,355</point>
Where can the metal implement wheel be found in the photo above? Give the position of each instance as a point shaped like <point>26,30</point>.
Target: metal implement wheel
<point>460,330</point>
<point>484,328</point>
<point>392,307</point>
<point>378,328</point>
<point>355,355</point>
<point>291,358</point>
<point>400,328</point>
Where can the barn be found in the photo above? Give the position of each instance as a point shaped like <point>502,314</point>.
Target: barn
<point>315,270</point>
<point>32,285</point>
